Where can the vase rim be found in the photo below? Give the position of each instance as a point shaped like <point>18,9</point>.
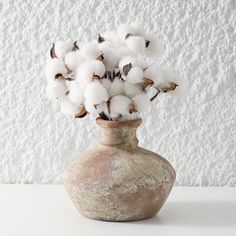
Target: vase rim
<point>118,123</point>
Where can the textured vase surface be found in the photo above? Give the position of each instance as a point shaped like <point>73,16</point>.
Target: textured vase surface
<point>117,180</point>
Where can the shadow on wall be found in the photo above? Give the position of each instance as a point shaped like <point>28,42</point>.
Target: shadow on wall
<point>189,214</point>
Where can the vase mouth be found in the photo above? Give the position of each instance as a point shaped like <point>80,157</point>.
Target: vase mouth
<point>118,123</point>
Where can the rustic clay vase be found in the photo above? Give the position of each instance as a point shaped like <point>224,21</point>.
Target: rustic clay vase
<point>117,180</point>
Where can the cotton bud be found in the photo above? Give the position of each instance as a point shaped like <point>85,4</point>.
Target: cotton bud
<point>154,46</point>
<point>54,67</point>
<point>76,95</point>
<point>132,89</point>
<point>63,47</point>
<point>141,102</point>
<point>68,108</point>
<point>155,73</point>
<point>96,93</point>
<point>90,51</point>
<point>56,89</point>
<point>136,44</point>
<point>73,60</point>
<point>117,87</point>
<point>135,75</point>
<point>120,105</point>
<point>124,30</point>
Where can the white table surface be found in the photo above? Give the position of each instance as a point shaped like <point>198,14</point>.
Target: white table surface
<point>46,210</point>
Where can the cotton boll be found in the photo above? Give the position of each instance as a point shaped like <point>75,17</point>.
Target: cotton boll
<point>138,29</point>
<point>136,44</point>
<point>97,67</point>
<point>155,73</point>
<point>132,89</point>
<point>68,108</point>
<point>90,51</point>
<point>135,75</point>
<point>125,29</point>
<point>111,58</point>
<point>55,66</point>
<point>141,102</point>
<point>63,47</point>
<point>119,105</point>
<point>154,47</point>
<point>96,93</point>
<point>56,89</point>
<point>73,60</point>
<point>117,87</point>
<point>76,95</point>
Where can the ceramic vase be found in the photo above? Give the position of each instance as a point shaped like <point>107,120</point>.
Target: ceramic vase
<point>118,180</point>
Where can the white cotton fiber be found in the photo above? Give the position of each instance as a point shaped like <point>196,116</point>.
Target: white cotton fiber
<point>84,75</point>
<point>117,87</point>
<point>68,108</point>
<point>141,102</point>
<point>90,51</point>
<point>106,83</point>
<point>134,62</point>
<point>63,47</point>
<point>132,89</point>
<point>135,75</point>
<point>73,60</point>
<point>138,29</point>
<point>119,105</point>
<point>76,95</point>
<point>125,29</point>
<point>55,66</point>
<point>111,36</point>
<point>97,67</point>
<point>155,47</point>
<point>95,109</point>
<point>96,93</point>
<point>136,44</point>
<point>111,55</point>
<point>155,73</point>
<point>56,89</point>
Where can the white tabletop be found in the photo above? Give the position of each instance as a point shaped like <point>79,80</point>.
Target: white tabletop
<point>46,210</point>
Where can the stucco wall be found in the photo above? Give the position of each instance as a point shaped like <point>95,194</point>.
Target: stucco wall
<point>197,137</point>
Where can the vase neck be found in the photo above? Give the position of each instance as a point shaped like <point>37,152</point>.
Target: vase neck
<point>119,137</point>
<point>119,133</point>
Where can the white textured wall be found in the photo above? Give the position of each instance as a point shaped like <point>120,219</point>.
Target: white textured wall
<point>197,137</point>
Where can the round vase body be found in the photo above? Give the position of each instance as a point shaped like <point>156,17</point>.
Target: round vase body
<point>117,180</point>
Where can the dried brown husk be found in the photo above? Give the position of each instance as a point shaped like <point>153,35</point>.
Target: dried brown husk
<point>96,77</point>
<point>147,83</point>
<point>128,35</point>
<point>75,46</point>
<point>82,113</point>
<point>100,39</point>
<point>101,57</point>
<point>147,43</point>
<point>127,68</point>
<point>52,51</point>
<point>133,109</point>
<point>59,77</point>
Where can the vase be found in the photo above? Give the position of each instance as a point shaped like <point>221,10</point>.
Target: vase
<point>118,180</point>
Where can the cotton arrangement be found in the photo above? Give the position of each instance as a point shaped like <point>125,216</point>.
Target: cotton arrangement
<point>109,77</point>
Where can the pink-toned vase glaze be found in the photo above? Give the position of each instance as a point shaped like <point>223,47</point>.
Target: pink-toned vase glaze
<point>117,180</point>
